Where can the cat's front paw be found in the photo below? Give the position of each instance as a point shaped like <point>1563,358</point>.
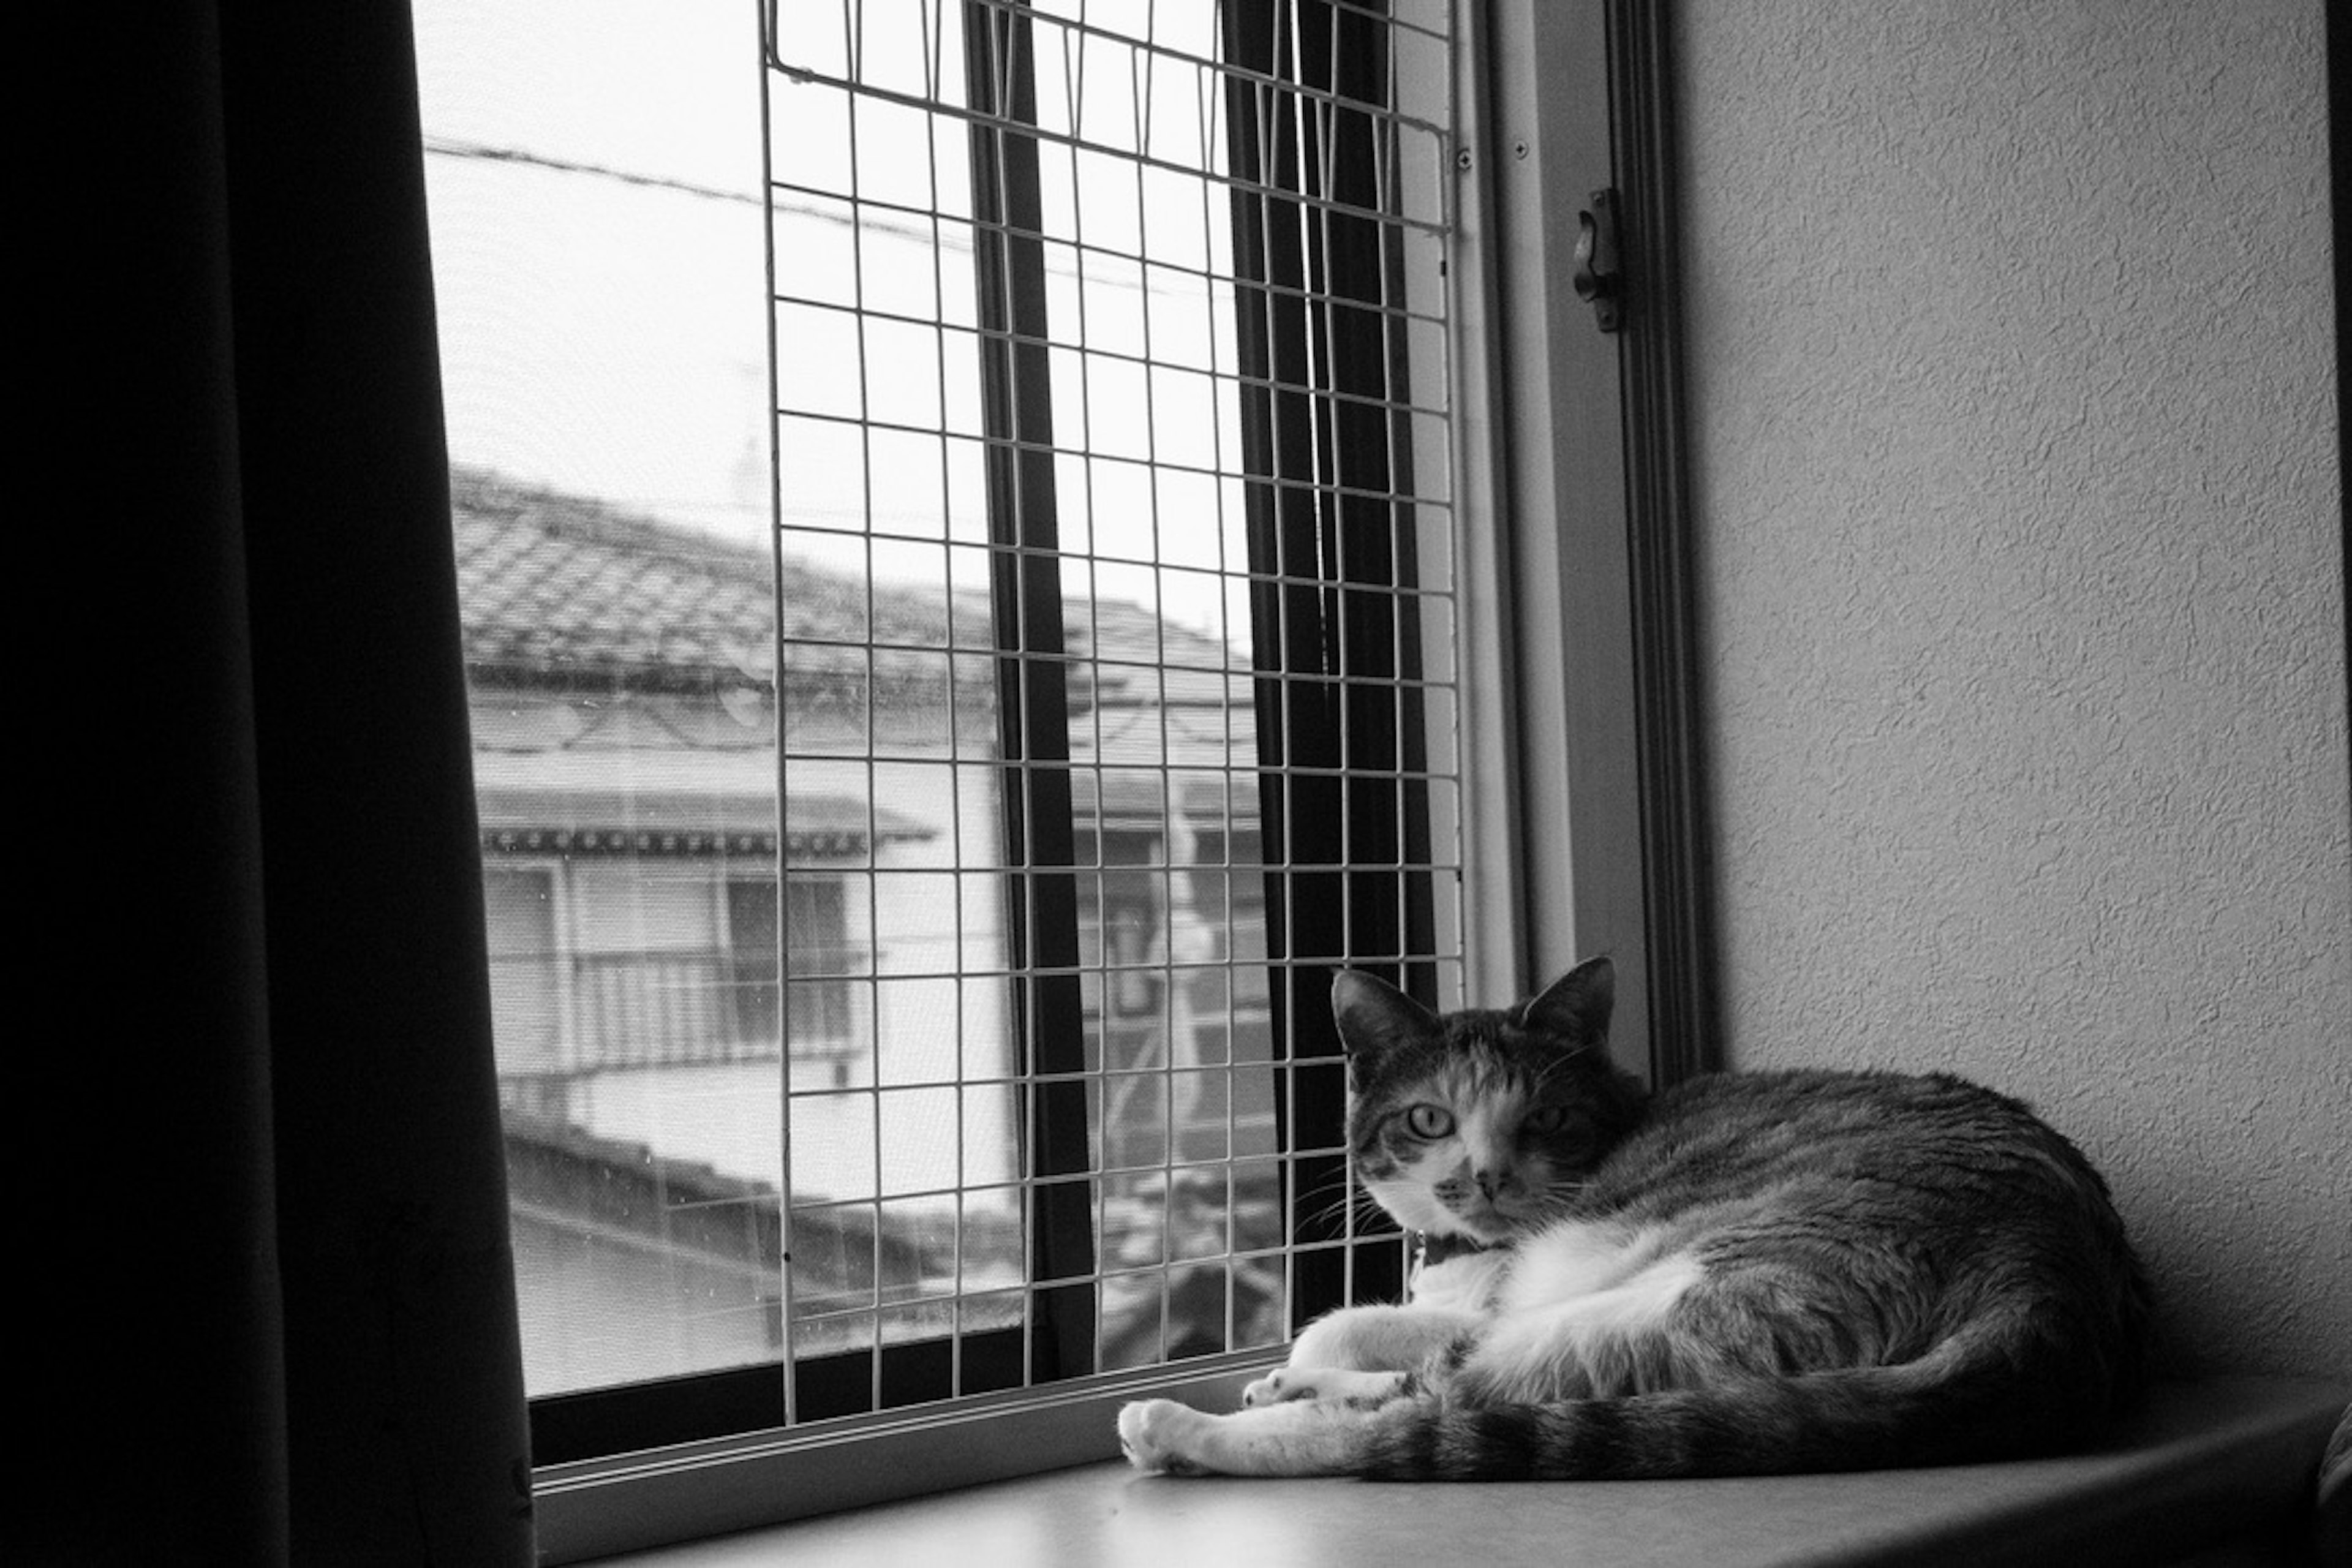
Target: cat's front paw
<point>1332,1384</point>
<point>1280,1386</point>
<point>1162,1436</point>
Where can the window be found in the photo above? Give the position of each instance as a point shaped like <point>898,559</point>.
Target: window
<point>915,869</point>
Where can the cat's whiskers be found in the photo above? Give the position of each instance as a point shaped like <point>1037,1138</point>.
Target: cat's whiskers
<point>1334,1203</point>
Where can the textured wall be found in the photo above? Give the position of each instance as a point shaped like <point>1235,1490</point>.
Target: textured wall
<point>2015,431</point>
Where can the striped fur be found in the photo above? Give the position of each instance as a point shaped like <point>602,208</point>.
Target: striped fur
<point>1747,1274</point>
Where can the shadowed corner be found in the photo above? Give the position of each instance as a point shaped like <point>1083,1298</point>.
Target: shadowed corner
<point>2331,1523</point>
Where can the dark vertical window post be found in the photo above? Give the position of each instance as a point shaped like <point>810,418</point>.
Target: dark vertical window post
<point>1323,556</point>
<point>1032,683</point>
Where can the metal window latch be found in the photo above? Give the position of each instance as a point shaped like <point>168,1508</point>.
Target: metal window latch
<point>1596,277</point>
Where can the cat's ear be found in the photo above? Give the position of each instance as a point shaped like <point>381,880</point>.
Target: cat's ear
<point>1577,1005</point>
<point>1375,1018</point>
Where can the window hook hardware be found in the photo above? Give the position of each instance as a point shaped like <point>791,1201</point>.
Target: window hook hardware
<point>1597,277</point>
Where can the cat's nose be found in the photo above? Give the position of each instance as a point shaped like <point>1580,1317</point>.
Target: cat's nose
<point>1489,1183</point>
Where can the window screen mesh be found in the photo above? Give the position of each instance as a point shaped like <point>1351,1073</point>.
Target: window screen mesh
<point>911,935</point>
<point>1116,582</point>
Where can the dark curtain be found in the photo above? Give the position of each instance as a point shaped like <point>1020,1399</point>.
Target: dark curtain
<point>266,1303</point>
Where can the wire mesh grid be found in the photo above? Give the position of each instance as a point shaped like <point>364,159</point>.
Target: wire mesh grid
<point>1115,585</point>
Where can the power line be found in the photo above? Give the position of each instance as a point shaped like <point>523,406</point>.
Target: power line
<point>451,147</point>
<point>868,221</point>
<point>482,151</point>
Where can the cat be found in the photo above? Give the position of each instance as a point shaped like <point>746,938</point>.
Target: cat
<point>1744,1274</point>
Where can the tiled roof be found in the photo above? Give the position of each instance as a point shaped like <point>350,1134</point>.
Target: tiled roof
<point>551,582</point>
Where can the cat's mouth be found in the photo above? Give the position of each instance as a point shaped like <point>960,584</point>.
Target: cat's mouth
<point>1485,1221</point>
<point>1506,1217</point>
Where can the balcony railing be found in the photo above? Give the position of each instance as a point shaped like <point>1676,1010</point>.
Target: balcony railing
<point>563,1016</point>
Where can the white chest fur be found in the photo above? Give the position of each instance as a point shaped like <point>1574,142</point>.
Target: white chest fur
<point>1572,1260</point>
<point>1583,1258</point>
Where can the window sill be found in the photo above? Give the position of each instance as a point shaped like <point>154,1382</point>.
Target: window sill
<point>2212,1472</point>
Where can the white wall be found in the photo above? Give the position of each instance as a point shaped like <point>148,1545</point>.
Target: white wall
<point>2015,425</point>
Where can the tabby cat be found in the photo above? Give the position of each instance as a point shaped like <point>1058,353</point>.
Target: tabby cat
<point>1748,1273</point>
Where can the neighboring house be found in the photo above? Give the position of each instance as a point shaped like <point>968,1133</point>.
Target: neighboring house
<point>625,728</point>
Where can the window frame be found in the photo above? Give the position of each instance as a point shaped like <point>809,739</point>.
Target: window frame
<point>1581,717</point>
<point>1583,795</point>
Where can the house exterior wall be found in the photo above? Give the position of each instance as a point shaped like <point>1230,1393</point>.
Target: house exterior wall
<point>628,801</point>
<point>2015,431</point>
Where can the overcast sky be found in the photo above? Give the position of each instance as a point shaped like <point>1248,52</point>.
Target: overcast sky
<point>598,334</point>
<point>594,174</point>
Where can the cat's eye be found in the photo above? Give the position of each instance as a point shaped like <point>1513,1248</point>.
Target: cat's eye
<point>1545,1119</point>
<point>1429,1121</point>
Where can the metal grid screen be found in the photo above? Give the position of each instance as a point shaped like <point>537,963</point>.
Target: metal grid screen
<point>1116,629</point>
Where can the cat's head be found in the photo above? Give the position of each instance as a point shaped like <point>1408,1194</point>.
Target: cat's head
<point>1482,1123</point>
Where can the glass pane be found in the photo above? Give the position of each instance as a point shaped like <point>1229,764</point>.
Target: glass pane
<point>787,960</point>
<point>598,249</point>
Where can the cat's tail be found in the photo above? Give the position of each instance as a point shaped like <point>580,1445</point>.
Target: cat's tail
<point>1978,1394</point>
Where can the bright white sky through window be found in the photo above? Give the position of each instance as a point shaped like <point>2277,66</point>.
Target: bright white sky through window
<point>600,336</point>
<point>595,171</point>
